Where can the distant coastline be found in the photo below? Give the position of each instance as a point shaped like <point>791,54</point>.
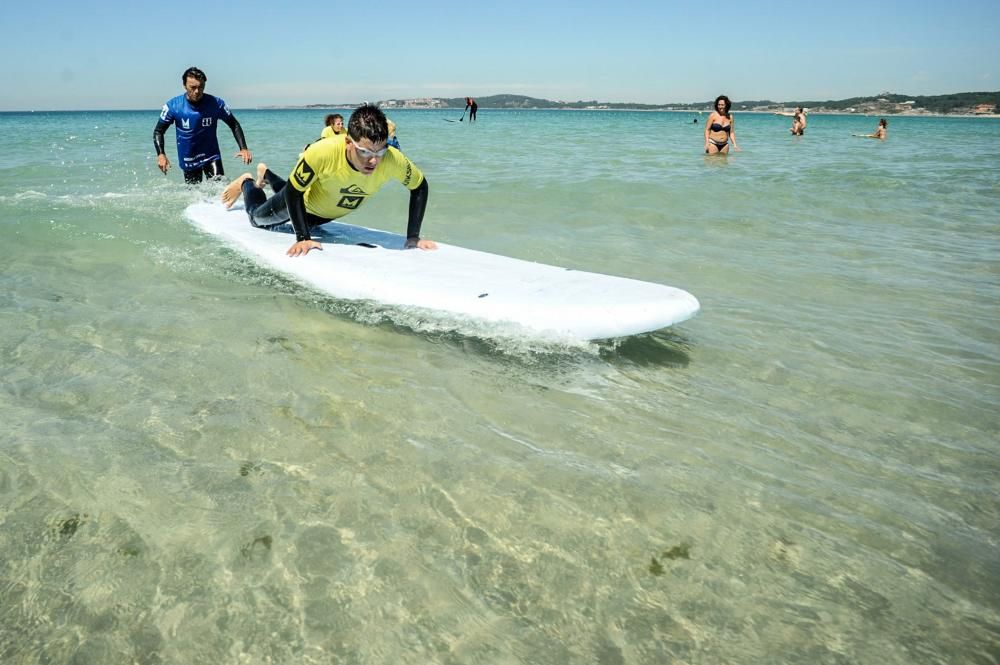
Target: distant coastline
<point>972,104</point>
<point>809,111</point>
<point>962,104</point>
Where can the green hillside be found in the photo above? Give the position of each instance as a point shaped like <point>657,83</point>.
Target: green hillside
<point>960,102</point>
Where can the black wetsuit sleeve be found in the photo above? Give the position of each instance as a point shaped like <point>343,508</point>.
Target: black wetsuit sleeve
<point>158,131</point>
<point>295,201</point>
<point>234,125</point>
<point>418,203</point>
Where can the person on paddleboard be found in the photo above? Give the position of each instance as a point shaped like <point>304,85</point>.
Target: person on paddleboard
<point>196,115</point>
<point>333,178</point>
<point>880,131</point>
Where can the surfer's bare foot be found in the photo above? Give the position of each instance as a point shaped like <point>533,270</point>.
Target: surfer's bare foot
<point>233,190</point>
<point>261,170</point>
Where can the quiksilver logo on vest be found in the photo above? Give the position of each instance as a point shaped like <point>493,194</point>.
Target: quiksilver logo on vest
<point>353,196</point>
<point>350,202</point>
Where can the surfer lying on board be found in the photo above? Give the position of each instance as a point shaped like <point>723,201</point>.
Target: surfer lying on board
<point>332,178</point>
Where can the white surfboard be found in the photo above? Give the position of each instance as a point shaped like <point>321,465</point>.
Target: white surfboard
<point>540,300</point>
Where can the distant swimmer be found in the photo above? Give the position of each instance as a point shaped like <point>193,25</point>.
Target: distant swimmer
<point>334,126</point>
<point>196,114</point>
<point>880,133</point>
<point>332,178</point>
<point>720,128</point>
<point>471,106</point>
<point>798,121</point>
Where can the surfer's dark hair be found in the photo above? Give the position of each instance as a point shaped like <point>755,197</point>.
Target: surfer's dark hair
<point>193,73</point>
<point>726,106</point>
<point>368,122</point>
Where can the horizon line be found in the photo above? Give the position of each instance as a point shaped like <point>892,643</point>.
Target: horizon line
<point>666,106</point>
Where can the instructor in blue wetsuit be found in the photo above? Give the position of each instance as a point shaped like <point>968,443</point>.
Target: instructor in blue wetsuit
<point>196,115</point>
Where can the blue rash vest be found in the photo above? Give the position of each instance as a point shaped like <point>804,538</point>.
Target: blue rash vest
<point>197,143</point>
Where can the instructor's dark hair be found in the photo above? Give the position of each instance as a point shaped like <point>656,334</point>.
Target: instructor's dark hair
<point>193,73</point>
<point>728,105</point>
<point>368,122</point>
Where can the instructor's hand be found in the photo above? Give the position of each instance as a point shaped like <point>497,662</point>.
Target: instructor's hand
<point>245,155</point>
<point>303,246</point>
<point>163,163</point>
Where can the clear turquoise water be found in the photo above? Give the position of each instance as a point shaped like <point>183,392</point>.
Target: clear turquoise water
<point>203,462</point>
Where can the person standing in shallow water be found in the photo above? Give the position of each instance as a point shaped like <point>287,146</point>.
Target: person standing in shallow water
<point>196,115</point>
<point>799,122</point>
<point>720,128</point>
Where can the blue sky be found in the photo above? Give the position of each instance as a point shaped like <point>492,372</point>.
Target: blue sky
<point>129,55</point>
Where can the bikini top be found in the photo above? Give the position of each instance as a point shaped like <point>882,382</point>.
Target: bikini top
<point>716,127</point>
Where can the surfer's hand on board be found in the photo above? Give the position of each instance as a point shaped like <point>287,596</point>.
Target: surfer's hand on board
<point>303,246</point>
<point>420,243</point>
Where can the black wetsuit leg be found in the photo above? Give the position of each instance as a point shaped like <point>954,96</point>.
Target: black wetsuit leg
<point>213,170</point>
<point>270,212</point>
<point>264,212</point>
<point>276,182</point>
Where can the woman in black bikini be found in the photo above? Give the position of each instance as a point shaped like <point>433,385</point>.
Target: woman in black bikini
<point>720,128</point>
